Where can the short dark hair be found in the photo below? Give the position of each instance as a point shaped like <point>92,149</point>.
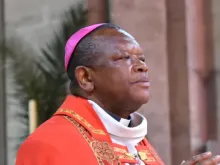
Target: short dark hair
<point>85,54</point>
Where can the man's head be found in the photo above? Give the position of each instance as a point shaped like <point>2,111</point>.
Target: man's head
<point>108,66</point>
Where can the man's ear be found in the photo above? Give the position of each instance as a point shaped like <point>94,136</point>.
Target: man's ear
<point>84,79</point>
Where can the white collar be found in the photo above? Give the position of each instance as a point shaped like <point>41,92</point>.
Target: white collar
<point>138,124</point>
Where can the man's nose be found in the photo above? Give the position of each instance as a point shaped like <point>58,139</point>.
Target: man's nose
<point>140,67</point>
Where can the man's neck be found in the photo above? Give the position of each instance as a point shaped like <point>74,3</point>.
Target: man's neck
<point>124,121</point>
<point>116,117</point>
<point>112,108</point>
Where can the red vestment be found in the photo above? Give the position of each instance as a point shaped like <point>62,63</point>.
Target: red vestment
<point>75,135</point>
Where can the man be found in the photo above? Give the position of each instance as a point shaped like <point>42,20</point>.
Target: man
<point>98,123</point>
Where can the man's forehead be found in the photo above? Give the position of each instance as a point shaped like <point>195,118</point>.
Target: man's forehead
<point>116,40</point>
<point>128,43</point>
<point>131,47</point>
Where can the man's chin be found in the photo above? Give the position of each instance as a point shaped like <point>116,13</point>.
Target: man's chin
<point>145,100</point>
<point>142,98</point>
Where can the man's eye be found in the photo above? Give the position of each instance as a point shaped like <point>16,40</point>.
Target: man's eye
<point>126,57</point>
<point>142,59</point>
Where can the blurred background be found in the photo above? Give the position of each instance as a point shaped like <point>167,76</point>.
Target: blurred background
<point>180,38</point>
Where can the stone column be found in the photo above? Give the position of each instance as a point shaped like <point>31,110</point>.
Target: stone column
<point>146,21</point>
<point>98,11</point>
<point>200,63</point>
<point>216,54</point>
<point>178,80</point>
<point>210,78</point>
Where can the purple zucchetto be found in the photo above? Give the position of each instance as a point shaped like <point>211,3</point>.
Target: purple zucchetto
<point>75,39</point>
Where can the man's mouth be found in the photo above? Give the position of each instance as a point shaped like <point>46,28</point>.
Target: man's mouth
<point>143,81</point>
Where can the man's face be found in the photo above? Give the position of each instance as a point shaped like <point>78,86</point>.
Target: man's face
<point>122,76</point>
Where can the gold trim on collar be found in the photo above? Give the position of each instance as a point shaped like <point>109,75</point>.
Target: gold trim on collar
<point>81,119</point>
<point>142,155</point>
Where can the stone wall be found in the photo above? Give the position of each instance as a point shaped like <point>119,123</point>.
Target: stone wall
<point>35,20</point>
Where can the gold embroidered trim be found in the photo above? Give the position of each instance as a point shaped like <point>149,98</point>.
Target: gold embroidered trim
<point>102,150</point>
<point>81,119</point>
<point>146,156</point>
<point>142,155</point>
<point>116,149</point>
<point>126,155</point>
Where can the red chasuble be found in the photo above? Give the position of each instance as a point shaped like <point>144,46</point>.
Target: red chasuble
<point>76,136</point>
